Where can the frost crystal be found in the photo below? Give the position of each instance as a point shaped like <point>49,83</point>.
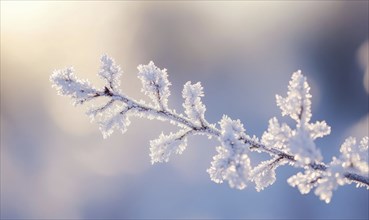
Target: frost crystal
<point>165,145</point>
<point>285,145</point>
<point>330,180</point>
<point>318,129</point>
<point>110,72</point>
<point>219,165</point>
<point>305,181</point>
<point>264,174</point>
<point>299,142</point>
<point>114,118</point>
<point>193,106</point>
<point>67,84</point>
<point>277,135</point>
<point>297,104</point>
<point>303,147</point>
<point>354,156</point>
<point>155,84</point>
<point>232,162</point>
<point>353,159</point>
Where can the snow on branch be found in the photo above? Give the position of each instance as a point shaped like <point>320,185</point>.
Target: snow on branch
<point>110,72</point>
<point>294,146</point>
<point>193,106</point>
<point>155,84</point>
<point>67,84</point>
<point>297,105</point>
<point>165,145</point>
<point>232,162</point>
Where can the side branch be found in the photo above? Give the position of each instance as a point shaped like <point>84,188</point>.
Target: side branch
<point>358,179</point>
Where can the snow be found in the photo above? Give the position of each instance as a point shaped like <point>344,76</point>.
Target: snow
<point>232,162</point>
<point>194,108</point>
<point>155,84</point>
<point>110,72</point>
<point>67,84</point>
<point>264,174</point>
<point>297,105</point>
<point>277,135</point>
<point>353,159</point>
<point>165,145</point>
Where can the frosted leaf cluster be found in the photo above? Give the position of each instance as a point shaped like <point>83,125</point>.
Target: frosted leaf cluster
<point>110,72</point>
<point>299,141</point>
<point>67,84</point>
<point>112,118</point>
<point>165,145</point>
<point>232,163</point>
<point>277,135</point>
<point>354,156</point>
<point>155,84</point>
<point>193,106</point>
<point>113,114</point>
<point>353,160</point>
<point>305,181</point>
<point>264,174</point>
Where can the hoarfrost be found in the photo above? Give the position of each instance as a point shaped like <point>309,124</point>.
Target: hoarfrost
<point>285,145</point>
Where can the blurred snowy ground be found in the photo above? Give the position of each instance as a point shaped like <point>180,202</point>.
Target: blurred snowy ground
<point>55,163</point>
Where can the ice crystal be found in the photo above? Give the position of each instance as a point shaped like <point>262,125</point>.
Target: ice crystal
<point>305,181</point>
<point>329,180</point>
<point>114,118</point>
<point>285,145</point>
<point>300,141</point>
<point>110,72</point>
<point>155,84</point>
<point>264,175</point>
<point>232,162</point>
<point>67,84</point>
<point>297,104</point>
<point>353,159</point>
<point>277,135</point>
<point>354,156</point>
<point>193,106</point>
<point>165,145</point>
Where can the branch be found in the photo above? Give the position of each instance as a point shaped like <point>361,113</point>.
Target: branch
<point>232,163</point>
<point>213,131</point>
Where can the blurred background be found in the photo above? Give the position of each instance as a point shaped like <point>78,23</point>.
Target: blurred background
<point>55,163</point>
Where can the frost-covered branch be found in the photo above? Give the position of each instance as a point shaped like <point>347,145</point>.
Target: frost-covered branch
<point>285,145</point>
